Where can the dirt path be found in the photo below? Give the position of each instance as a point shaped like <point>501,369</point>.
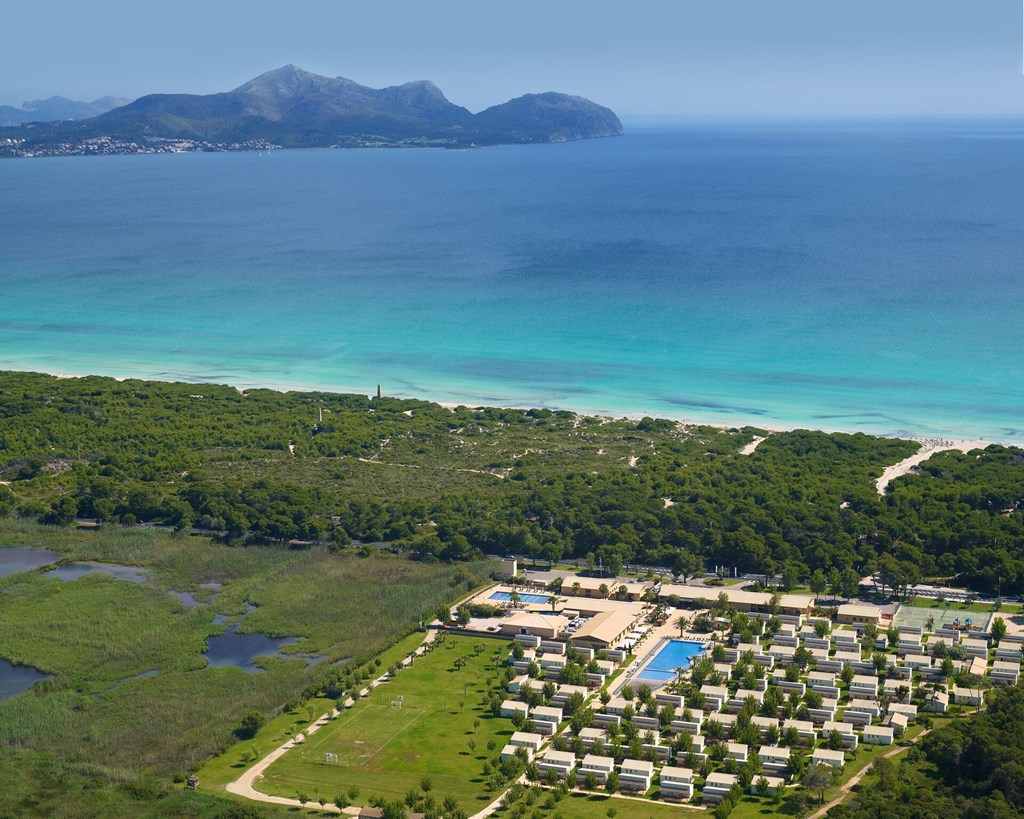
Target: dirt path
<point>749,448</point>
<point>496,804</point>
<point>245,785</point>
<point>846,787</point>
<point>927,450</point>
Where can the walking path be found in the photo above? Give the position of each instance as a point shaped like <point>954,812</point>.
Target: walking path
<point>245,784</point>
<point>846,787</point>
<point>928,449</point>
<point>496,804</point>
<point>749,448</point>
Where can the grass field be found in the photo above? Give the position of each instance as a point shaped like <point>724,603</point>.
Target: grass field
<point>386,751</point>
<point>545,803</point>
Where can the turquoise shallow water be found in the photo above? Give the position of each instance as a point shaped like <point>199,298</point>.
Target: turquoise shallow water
<point>843,276</point>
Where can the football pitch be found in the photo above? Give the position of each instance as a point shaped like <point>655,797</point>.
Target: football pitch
<point>361,735</point>
<point>429,721</point>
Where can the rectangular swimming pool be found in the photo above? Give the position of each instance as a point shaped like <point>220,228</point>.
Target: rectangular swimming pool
<point>674,654</point>
<point>523,597</point>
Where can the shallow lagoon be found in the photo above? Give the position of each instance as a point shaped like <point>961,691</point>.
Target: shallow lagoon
<point>188,598</point>
<point>22,559</point>
<point>17,678</point>
<point>241,650</point>
<point>74,571</point>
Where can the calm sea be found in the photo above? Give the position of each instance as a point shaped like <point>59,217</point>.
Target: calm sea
<point>837,276</point>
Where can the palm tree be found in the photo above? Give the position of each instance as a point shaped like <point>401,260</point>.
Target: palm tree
<point>681,622</point>
<point>553,601</point>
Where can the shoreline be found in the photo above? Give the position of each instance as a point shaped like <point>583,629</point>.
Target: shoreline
<point>930,443</point>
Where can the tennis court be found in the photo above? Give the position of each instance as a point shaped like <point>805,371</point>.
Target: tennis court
<point>918,617</point>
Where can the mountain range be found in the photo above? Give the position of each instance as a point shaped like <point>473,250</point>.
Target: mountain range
<point>290,107</point>
<point>56,108</point>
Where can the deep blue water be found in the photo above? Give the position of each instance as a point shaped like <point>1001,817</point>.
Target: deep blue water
<point>838,276</point>
<point>674,654</point>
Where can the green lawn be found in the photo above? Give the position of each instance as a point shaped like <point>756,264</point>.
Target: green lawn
<point>750,807</point>
<point>582,806</point>
<point>385,751</point>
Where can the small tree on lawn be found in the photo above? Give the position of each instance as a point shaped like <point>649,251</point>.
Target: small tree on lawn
<point>818,778</point>
<point>892,635</point>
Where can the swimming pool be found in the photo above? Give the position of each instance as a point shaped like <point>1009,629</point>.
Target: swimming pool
<point>674,654</point>
<point>523,597</point>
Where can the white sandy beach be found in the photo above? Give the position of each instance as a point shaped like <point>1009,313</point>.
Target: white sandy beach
<point>930,445</point>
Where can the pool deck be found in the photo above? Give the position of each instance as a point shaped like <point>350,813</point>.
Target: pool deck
<point>530,598</point>
<point>653,654</point>
<point>652,644</point>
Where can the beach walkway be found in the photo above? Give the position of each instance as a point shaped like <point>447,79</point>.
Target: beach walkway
<point>928,449</point>
<point>753,445</point>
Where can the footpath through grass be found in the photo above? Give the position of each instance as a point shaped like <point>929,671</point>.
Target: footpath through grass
<point>441,731</point>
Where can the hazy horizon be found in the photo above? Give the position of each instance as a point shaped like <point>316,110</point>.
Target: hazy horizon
<point>733,57</point>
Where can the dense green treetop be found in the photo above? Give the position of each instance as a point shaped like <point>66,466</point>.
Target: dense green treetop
<point>971,768</point>
<point>456,482</point>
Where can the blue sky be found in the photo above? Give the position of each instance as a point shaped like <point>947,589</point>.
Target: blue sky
<point>667,57</point>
